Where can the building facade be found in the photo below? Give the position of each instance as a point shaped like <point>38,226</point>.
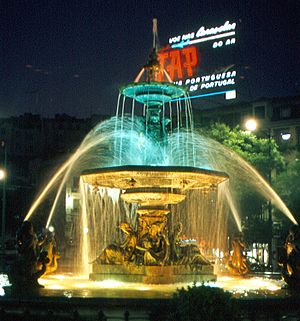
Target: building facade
<point>34,148</point>
<point>278,116</point>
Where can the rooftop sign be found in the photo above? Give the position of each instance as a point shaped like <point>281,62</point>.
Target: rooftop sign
<point>203,60</point>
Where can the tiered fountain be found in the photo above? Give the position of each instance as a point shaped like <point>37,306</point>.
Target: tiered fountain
<point>152,253</point>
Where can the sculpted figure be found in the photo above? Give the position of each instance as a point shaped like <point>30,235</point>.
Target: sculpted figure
<point>30,264</point>
<point>184,253</point>
<point>237,262</point>
<point>155,246</point>
<point>290,260</point>
<point>120,253</point>
<point>175,252</point>
<point>49,246</point>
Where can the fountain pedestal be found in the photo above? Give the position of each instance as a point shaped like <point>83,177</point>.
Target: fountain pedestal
<point>152,254</point>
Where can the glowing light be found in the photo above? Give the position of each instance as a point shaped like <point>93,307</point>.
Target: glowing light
<point>202,95</point>
<point>224,30</point>
<point>69,201</point>
<point>3,282</point>
<point>110,284</point>
<point>191,42</point>
<point>51,229</point>
<point>231,94</point>
<point>144,288</point>
<point>55,287</point>
<point>58,276</point>
<point>178,62</point>
<point>286,136</point>
<point>68,294</point>
<point>236,285</point>
<point>251,124</point>
<point>273,287</point>
<point>2,174</point>
<point>85,230</point>
<point>81,285</point>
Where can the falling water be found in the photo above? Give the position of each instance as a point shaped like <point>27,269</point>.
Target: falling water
<point>124,140</point>
<point>83,232</point>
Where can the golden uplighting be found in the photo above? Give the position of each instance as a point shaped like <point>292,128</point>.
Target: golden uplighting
<point>81,286</point>
<point>135,177</point>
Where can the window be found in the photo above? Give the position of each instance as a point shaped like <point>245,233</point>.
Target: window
<point>285,112</point>
<point>2,132</point>
<point>260,112</point>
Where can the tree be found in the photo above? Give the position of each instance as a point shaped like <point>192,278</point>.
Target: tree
<point>264,155</point>
<point>290,178</point>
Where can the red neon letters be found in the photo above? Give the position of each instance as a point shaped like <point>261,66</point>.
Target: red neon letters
<point>178,62</point>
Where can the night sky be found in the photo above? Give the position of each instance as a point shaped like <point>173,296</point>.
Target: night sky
<point>72,56</point>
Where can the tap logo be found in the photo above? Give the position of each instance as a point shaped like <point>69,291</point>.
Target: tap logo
<point>179,63</point>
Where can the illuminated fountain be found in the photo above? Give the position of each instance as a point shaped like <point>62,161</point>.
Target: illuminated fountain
<point>166,187</point>
<point>152,252</point>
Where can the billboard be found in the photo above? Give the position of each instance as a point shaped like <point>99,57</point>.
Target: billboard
<point>203,60</point>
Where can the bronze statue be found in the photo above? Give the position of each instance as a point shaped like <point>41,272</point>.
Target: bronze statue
<point>120,253</point>
<point>185,253</point>
<point>290,259</point>
<point>236,263</point>
<point>49,246</point>
<point>29,264</point>
<point>154,245</point>
<point>150,246</point>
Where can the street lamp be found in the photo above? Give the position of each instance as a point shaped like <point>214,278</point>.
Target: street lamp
<point>3,174</point>
<point>251,124</point>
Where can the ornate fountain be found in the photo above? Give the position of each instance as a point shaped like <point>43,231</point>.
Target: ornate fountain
<point>152,251</point>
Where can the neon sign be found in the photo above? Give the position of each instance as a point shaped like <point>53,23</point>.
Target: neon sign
<point>225,30</point>
<point>202,60</point>
<point>179,63</point>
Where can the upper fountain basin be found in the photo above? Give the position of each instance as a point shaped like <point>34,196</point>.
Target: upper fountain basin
<point>139,176</point>
<point>153,93</point>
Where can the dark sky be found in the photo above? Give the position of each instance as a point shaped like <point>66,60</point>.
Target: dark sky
<point>72,56</point>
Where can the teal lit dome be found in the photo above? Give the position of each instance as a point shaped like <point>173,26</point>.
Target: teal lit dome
<point>153,93</point>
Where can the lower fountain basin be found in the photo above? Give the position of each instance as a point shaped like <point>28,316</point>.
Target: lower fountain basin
<point>168,274</point>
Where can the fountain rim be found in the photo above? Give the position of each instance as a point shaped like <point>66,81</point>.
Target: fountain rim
<point>132,177</point>
<point>153,93</point>
<point>154,168</point>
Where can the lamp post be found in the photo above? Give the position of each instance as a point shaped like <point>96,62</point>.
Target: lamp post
<point>3,175</point>
<point>251,125</point>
